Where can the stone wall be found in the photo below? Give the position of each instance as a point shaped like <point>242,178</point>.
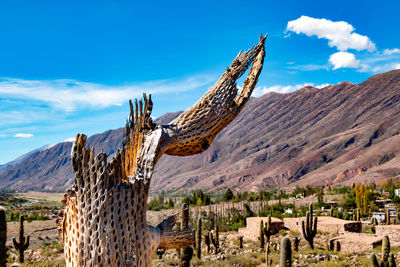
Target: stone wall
<point>356,242</point>
<point>252,229</point>
<point>392,231</point>
<point>155,217</point>
<point>325,224</point>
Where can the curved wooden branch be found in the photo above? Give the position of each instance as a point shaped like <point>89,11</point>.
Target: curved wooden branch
<point>194,130</point>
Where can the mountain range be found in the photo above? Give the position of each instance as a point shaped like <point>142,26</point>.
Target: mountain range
<point>340,134</point>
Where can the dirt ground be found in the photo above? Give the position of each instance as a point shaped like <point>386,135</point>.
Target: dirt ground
<point>39,232</point>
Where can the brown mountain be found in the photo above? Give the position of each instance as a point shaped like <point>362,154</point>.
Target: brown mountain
<point>340,134</point>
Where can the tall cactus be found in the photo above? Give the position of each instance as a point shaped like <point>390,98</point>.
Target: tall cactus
<point>392,261</point>
<point>309,228</point>
<point>187,253</point>
<point>286,253</point>
<point>3,238</point>
<point>21,246</point>
<point>240,241</point>
<point>374,260</point>
<point>358,215</point>
<point>262,240</point>
<point>296,242</point>
<point>385,250</point>
<point>267,229</point>
<point>207,241</point>
<point>387,217</point>
<point>387,259</point>
<point>267,232</point>
<point>373,226</point>
<point>198,238</point>
<point>214,237</point>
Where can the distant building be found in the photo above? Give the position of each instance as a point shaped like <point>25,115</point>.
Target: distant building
<point>379,216</point>
<point>289,211</point>
<point>397,192</point>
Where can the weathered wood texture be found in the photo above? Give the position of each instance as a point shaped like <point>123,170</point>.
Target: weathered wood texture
<point>103,222</point>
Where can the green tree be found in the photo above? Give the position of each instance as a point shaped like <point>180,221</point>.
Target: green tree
<point>228,195</point>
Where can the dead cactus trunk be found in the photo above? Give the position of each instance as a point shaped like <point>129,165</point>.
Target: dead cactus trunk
<point>103,222</point>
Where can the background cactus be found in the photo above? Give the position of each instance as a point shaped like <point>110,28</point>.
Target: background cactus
<point>261,238</point>
<point>392,261</point>
<point>397,221</point>
<point>309,228</point>
<point>385,250</point>
<point>267,232</point>
<point>296,242</point>
<point>374,260</point>
<point>387,217</point>
<point>207,241</point>
<point>21,246</point>
<point>198,238</point>
<point>187,253</point>
<point>358,215</point>
<point>373,226</point>
<point>3,238</point>
<point>286,253</point>
<point>214,235</point>
<point>240,241</point>
<point>387,259</point>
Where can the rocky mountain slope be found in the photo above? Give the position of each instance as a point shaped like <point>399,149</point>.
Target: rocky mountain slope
<point>339,134</point>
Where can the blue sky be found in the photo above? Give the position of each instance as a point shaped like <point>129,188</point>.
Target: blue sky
<point>69,67</point>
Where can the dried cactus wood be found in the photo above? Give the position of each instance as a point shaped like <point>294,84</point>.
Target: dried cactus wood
<point>3,237</point>
<point>103,222</point>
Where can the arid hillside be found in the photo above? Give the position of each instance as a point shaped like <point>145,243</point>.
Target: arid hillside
<point>339,134</point>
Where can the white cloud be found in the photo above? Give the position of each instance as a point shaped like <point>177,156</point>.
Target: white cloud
<point>259,91</point>
<point>344,60</point>
<point>389,52</point>
<point>23,135</point>
<point>68,95</point>
<point>340,34</point>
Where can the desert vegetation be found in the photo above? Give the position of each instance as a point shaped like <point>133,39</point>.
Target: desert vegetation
<point>217,227</point>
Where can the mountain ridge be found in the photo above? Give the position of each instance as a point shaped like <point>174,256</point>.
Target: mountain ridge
<point>337,134</point>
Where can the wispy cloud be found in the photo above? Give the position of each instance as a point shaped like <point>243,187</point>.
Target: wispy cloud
<point>23,135</point>
<point>386,67</point>
<point>391,51</point>
<point>309,67</point>
<point>69,95</point>
<point>259,91</point>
